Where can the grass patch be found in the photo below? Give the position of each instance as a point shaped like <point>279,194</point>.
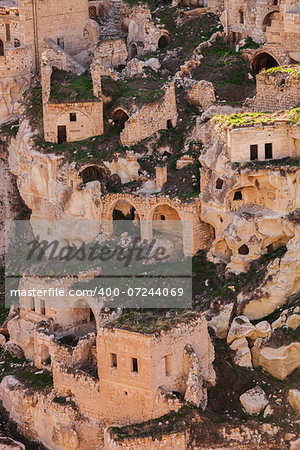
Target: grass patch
<point>11,128</point>
<point>67,87</point>
<point>232,121</point>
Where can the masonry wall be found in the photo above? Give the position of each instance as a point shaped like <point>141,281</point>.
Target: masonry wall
<point>150,118</point>
<point>89,120</point>
<point>112,53</point>
<point>278,134</point>
<point>275,91</point>
<point>64,19</point>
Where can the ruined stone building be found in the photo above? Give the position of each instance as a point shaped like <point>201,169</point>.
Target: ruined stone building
<point>274,24</point>
<point>25,24</point>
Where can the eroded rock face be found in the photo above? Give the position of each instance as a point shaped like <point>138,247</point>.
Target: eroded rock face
<point>242,356</point>
<point>279,362</point>
<point>241,327</point>
<point>294,400</point>
<point>254,401</point>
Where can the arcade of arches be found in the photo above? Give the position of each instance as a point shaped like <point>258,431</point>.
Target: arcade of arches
<point>150,215</point>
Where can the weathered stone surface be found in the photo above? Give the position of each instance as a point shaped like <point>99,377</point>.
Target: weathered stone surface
<point>2,340</point>
<point>293,321</point>
<point>220,322</point>
<point>294,400</point>
<point>242,356</point>
<point>202,94</point>
<point>153,63</point>
<point>279,362</point>
<point>254,401</point>
<point>262,329</point>
<point>240,327</point>
<point>134,68</point>
<point>195,391</point>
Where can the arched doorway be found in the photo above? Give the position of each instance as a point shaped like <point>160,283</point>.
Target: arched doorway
<point>84,315</point>
<point>125,219</point>
<point>120,117</point>
<point>166,224</point>
<point>263,61</point>
<point>1,48</point>
<point>93,173</point>
<point>133,51</point>
<point>163,41</point>
<point>267,22</point>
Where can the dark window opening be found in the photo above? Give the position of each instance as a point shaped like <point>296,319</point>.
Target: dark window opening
<point>244,250</point>
<point>126,393</point>
<point>162,217</point>
<point>219,183</point>
<point>163,42</point>
<point>43,307</point>
<point>32,304</point>
<point>120,117</point>
<point>169,124</point>
<point>221,220</point>
<point>270,248</point>
<point>17,42</point>
<point>7,32</point>
<point>168,365</point>
<point>133,51</point>
<point>1,48</point>
<point>73,117</point>
<point>263,61</point>
<point>241,16</point>
<point>61,134</point>
<point>238,196</point>
<point>268,151</point>
<point>275,2</point>
<point>134,365</point>
<point>253,152</point>
<point>93,12</point>
<point>113,360</point>
<point>61,42</point>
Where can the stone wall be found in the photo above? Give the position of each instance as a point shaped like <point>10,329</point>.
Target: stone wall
<point>278,90</point>
<point>112,53</point>
<point>136,396</point>
<point>202,94</point>
<point>278,134</point>
<point>178,441</point>
<point>151,118</point>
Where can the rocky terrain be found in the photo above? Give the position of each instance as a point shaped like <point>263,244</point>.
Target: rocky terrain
<point>251,300</point>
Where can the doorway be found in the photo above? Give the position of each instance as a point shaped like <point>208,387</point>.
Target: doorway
<point>61,134</point>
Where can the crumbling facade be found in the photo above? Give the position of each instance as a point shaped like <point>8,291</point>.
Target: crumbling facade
<point>275,24</point>
<point>71,121</point>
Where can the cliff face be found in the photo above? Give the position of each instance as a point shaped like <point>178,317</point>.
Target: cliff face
<point>250,209</point>
<point>52,188</point>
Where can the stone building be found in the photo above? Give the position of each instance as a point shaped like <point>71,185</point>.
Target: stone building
<point>24,26</point>
<point>273,23</point>
<point>277,88</point>
<point>143,35</point>
<point>68,121</point>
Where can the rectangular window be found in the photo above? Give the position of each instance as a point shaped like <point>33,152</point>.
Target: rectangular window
<point>7,31</point>
<point>253,152</point>
<point>73,117</point>
<point>134,365</point>
<point>61,42</point>
<point>168,362</point>
<point>268,151</point>
<point>43,307</point>
<point>113,360</point>
<point>32,304</point>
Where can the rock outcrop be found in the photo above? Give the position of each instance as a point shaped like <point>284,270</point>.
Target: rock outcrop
<point>254,401</point>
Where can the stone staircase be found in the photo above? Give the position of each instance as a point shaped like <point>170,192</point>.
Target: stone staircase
<point>111,23</point>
